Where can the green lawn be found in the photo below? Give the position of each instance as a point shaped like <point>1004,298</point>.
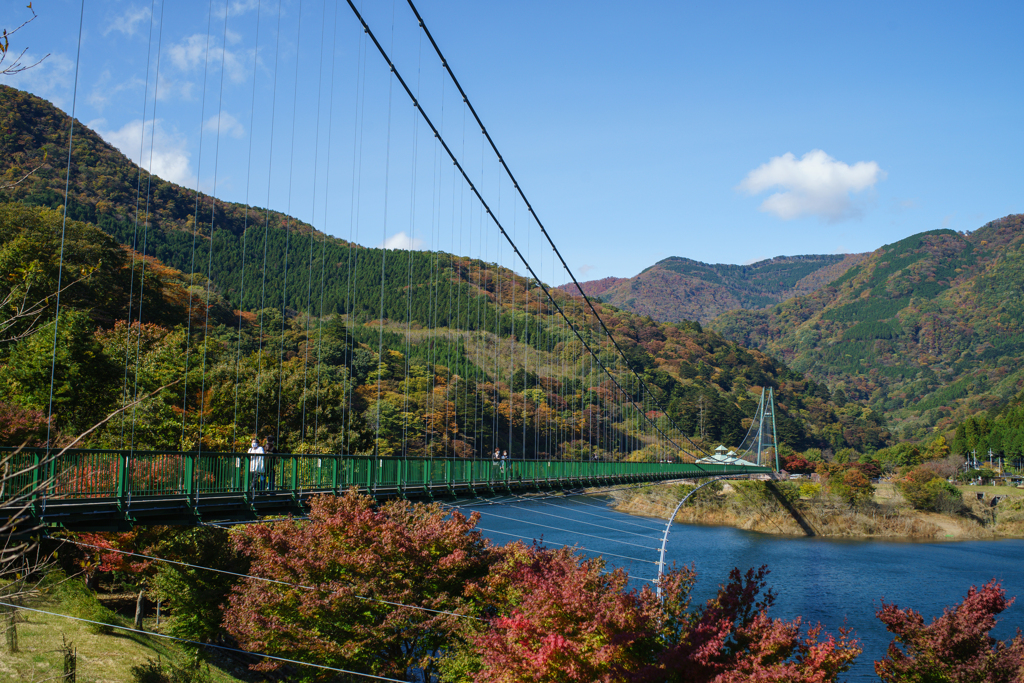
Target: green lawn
<point>101,658</point>
<point>990,491</point>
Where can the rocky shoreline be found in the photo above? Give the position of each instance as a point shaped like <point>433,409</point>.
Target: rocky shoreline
<point>749,506</point>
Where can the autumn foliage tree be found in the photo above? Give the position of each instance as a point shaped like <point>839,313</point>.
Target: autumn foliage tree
<point>560,617</point>
<point>343,588</point>
<point>956,647</point>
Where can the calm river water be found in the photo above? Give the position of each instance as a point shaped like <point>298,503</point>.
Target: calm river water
<point>832,581</point>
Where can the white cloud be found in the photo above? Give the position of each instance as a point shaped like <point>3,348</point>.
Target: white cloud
<point>127,22</point>
<point>401,241</point>
<point>164,154</point>
<point>169,89</point>
<point>229,125</point>
<point>585,268</point>
<point>190,54</point>
<point>52,79</point>
<point>815,185</point>
<point>104,90</point>
<point>237,7</point>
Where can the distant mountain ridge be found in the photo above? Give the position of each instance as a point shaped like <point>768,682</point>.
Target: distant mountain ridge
<point>928,329</point>
<point>676,289</point>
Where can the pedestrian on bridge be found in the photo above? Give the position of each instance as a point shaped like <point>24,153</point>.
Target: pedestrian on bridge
<point>257,466</point>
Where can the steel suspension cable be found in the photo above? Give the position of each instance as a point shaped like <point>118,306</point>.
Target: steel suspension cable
<point>266,224</point>
<point>576,521</point>
<point>384,250</point>
<point>287,234</point>
<point>594,514</point>
<point>600,553</point>
<point>135,231</point>
<point>63,233</point>
<point>213,210</point>
<point>245,226</point>
<point>355,199</point>
<point>145,230</point>
<point>323,243</point>
<point>197,643</point>
<point>410,256</point>
<point>263,579</point>
<point>195,230</point>
<point>515,184</point>
<point>555,528</point>
<point>312,222</point>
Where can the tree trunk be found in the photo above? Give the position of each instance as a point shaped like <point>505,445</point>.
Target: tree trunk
<point>12,630</point>
<point>139,607</point>
<point>70,662</point>
<point>158,601</point>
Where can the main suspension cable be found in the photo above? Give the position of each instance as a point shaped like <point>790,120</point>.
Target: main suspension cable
<point>529,207</point>
<point>479,196</point>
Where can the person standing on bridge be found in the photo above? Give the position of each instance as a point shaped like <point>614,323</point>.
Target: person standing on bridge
<point>257,467</point>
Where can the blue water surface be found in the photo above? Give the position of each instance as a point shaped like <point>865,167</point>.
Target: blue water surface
<point>835,582</point>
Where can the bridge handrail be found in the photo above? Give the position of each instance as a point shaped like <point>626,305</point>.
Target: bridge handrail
<point>96,473</point>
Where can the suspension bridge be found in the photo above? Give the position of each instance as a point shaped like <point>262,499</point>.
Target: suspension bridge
<point>458,370</point>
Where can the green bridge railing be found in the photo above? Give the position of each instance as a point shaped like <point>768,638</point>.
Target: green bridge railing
<point>173,487</point>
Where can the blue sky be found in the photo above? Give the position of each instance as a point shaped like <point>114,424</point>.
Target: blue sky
<point>724,132</point>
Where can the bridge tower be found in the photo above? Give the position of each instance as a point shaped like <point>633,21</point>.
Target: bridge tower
<point>761,444</point>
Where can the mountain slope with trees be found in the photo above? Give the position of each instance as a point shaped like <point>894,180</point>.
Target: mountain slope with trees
<point>454,356</point>
<point>676,289</point>
<point>928,330</point>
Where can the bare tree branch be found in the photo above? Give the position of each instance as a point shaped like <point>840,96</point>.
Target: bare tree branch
<point>30,173</point>
<point>23,311</point>
<point>16,66</point>
<point>114,414</point>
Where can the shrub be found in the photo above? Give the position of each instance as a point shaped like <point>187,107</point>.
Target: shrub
<point>81,602</point>
<point>196,596</point>
<point>155,671</point>
<point>925,491</point>
<point>954,647</point>
<point>709,496</point>
<point>946,498</point>
<point>1010,511</point>
<point>852,486</point>
<point>809,490</point>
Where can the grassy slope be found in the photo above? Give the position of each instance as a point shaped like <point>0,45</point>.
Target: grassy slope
<point>101,658</point>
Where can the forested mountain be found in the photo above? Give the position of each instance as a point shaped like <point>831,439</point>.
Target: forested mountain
<point>104,191</point>
<point>677,289</point>
<point>929,329</point>
<point>592,288</point>
<point>453,356</point>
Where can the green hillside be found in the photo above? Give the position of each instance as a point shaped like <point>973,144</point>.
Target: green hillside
<point>929,329</point>
<point>434,359</point>
<point>676,289</point>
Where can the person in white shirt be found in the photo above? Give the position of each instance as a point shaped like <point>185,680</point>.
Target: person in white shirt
<point>256,465</point>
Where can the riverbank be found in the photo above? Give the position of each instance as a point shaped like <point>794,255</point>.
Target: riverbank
<point>780,509</point>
